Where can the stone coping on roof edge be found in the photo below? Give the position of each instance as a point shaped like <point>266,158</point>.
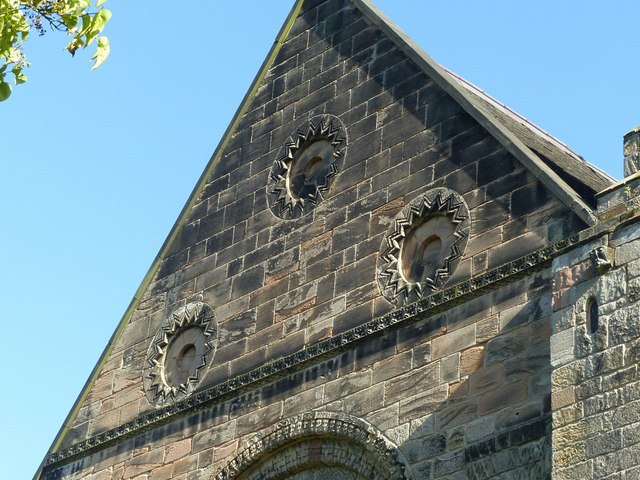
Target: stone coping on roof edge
<point>434,303</point>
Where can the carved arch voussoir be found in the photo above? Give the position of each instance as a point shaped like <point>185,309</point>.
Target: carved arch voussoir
<point>318,440</point>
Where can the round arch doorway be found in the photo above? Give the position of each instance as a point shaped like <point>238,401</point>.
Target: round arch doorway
<point>318,446</point>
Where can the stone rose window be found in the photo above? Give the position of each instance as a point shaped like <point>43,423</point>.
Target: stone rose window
<point>306,166</point>
<point>180,353</point>
<point>423,246</point>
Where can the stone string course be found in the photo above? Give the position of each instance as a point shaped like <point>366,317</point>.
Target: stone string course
<point>479,411</point>
<point>426,307</point>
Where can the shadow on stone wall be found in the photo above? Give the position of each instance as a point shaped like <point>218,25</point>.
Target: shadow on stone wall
<point>494,424</point>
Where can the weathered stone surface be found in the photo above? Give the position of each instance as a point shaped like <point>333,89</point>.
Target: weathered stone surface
<point>632,152</point>
<point>471,359</point>
<point>429,376</point>
<point>563,347</point>
<point>477,382</point>
<point>453,342</point>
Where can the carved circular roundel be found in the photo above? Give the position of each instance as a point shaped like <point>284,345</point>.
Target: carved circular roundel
<point>180,353</point>
<point>423,246</point>
<point>306,166</point>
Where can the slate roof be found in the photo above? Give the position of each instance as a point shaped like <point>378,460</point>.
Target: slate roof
<point>585,178</point>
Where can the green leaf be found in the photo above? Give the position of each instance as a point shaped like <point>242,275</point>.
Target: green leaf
<point>13,55</point>
<point>102,52</point>
<point>70,21</point>
<point>5,91</point>
<point>18,75</point>
<point>97,25</point>
<point>83,20</point>
<point>86,24</point>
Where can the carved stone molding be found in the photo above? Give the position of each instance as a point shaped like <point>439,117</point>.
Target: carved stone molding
<point>428,305</point>
<point>180,353</point>
<point>305,166</point>
<point>316,440</point>
<point>423,246</point>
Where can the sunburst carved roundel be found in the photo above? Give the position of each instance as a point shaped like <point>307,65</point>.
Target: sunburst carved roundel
<point>306,166</point>
<point>423,246</point>
<point>180,354</point>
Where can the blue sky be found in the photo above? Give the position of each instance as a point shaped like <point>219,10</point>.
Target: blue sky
<point>95,166</point>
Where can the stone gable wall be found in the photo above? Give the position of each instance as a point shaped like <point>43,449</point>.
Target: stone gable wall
<point>463,392</point>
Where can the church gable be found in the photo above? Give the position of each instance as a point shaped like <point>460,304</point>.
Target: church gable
<point>351,186</point>
<point>280,283</point>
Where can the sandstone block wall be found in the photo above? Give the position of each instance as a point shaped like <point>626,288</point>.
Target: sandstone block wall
<point>464,392</point>
<point>277,285</point>
<point>595,382</point>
